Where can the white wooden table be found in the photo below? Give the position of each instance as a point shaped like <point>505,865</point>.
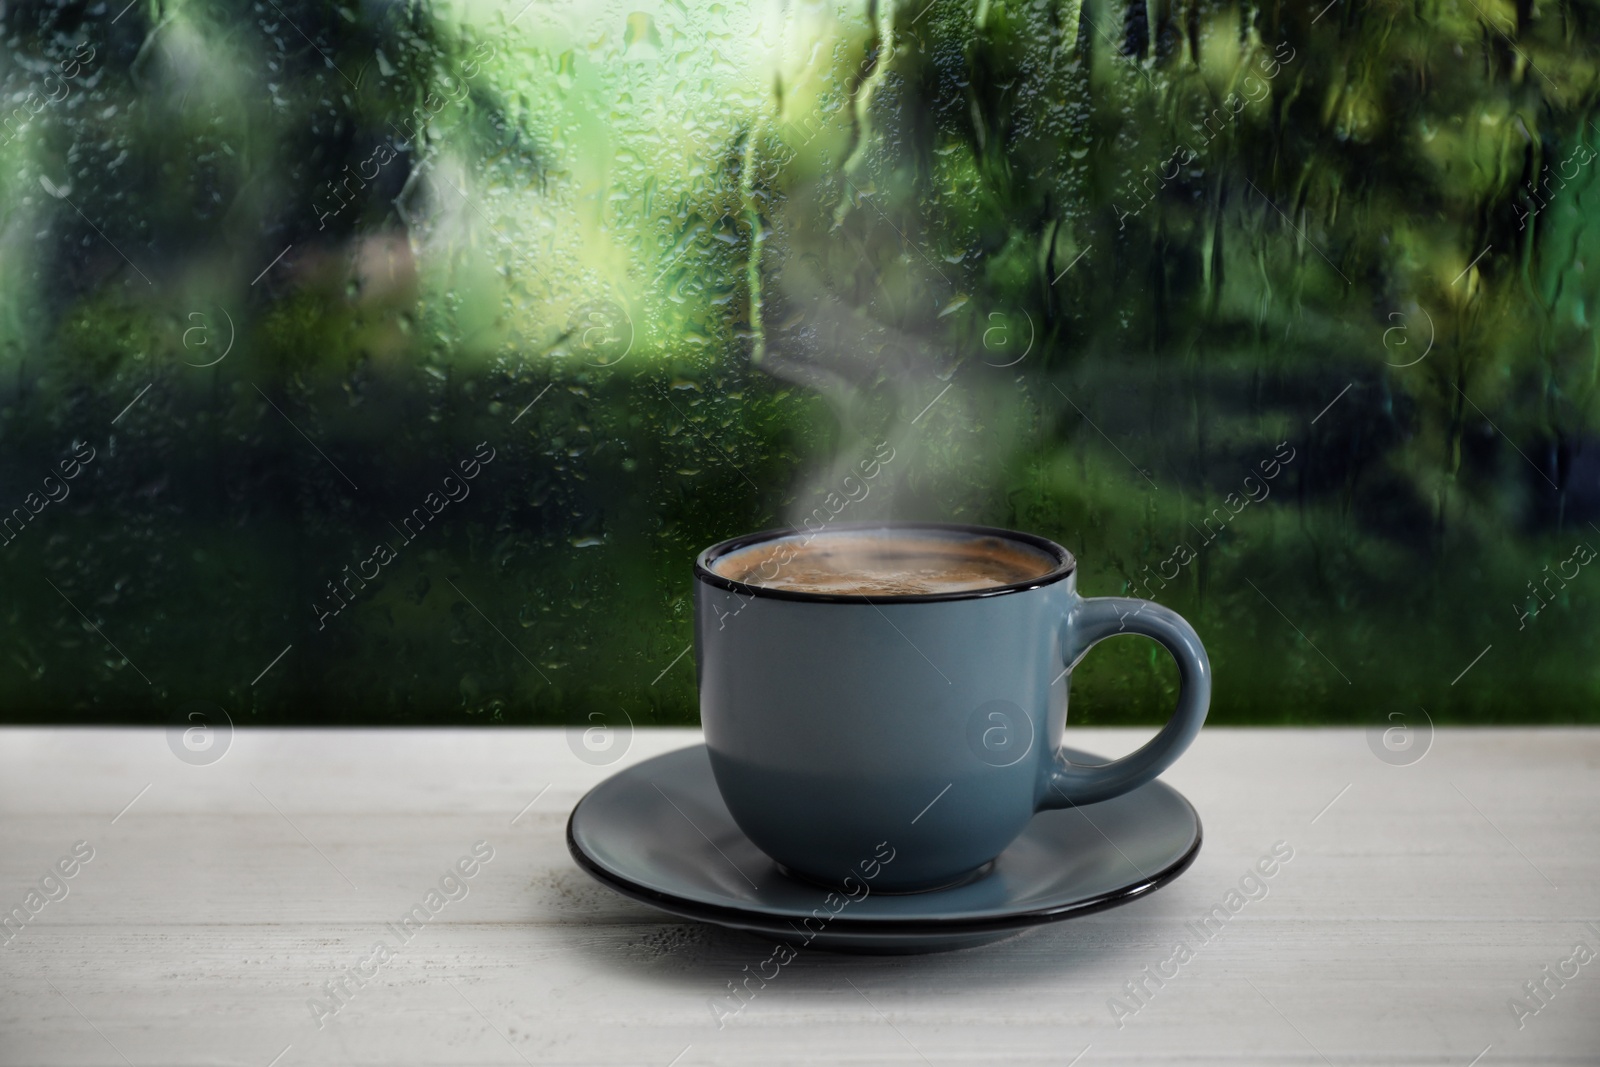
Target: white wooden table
<point>222,898</point>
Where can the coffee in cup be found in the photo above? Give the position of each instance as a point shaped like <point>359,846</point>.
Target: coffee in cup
<point>884,562</point>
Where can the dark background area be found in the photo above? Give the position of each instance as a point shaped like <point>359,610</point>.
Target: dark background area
<point>280,268</point>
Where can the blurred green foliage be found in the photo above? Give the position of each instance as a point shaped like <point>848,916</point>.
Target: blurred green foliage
<point>1093,269</point>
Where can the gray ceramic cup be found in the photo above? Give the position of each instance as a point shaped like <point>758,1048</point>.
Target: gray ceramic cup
<point>905,741</point>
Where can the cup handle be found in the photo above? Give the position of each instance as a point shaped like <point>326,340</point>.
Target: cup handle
<point>1092,620</point>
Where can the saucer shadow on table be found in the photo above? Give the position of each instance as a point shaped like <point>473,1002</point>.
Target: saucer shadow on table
<point>658,832</point>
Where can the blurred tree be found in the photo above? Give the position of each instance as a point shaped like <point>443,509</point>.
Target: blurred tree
<point>1094,269</point>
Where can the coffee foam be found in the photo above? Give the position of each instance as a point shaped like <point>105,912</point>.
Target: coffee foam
<point>885,563</point>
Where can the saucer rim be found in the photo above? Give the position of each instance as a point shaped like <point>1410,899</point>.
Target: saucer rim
<point>841,926</point>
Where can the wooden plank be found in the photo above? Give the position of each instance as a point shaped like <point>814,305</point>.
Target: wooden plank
<point>1417,904</point>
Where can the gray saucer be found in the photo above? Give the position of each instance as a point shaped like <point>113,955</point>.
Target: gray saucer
<point>658,832</point>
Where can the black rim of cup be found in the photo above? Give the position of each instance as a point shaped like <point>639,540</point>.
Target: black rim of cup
<point>1065,564</point>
